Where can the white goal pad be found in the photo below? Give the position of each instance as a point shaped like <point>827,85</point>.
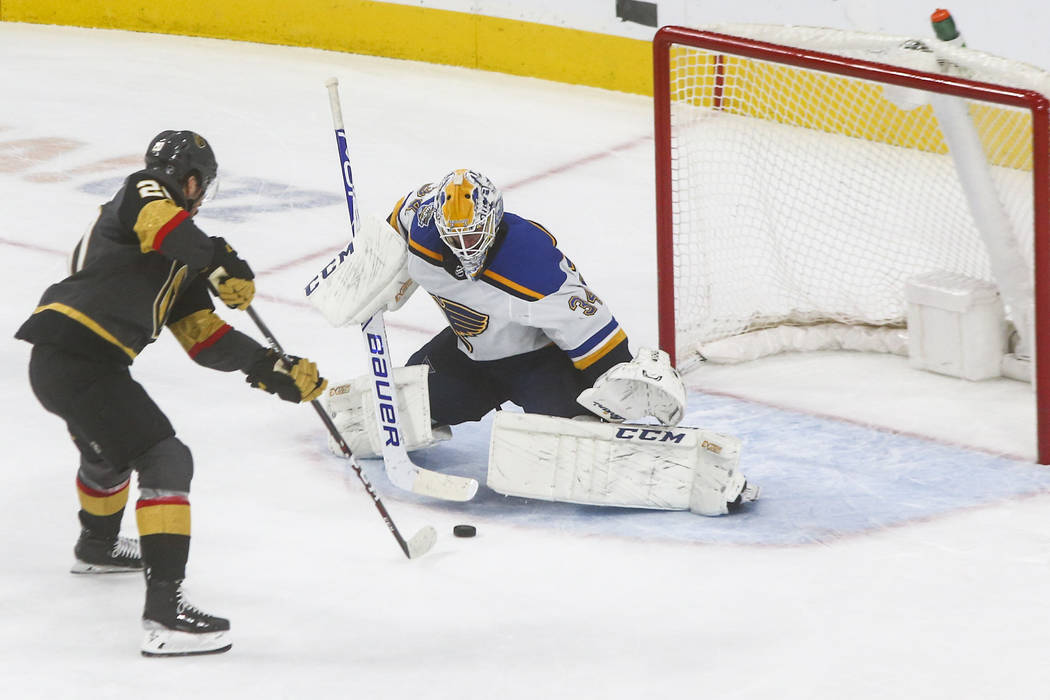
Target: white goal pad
<point>627,465</point>
<point>351,408</point>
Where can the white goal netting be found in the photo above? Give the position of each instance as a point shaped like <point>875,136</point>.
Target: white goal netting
<point>803,198</point>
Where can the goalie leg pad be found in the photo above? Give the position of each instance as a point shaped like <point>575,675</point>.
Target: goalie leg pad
<point>350,406</point>
<point>637,466</point>
<point>717,483</point>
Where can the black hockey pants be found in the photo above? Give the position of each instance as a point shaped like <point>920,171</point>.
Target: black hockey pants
<point>461,389</point>
<point>108,413</point>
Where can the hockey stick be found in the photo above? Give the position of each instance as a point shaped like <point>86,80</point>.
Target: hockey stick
<point>421,542</point>
<point>399,468</point>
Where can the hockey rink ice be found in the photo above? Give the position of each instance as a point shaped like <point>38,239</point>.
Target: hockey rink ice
<point>901,546</point>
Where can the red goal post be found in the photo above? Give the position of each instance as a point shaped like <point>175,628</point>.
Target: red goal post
<point>726,105</point>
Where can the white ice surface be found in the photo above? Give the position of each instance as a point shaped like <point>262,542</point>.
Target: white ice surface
<point>879,563</point>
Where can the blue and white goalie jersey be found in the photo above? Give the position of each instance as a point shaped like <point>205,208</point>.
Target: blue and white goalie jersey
<point>528,295</point>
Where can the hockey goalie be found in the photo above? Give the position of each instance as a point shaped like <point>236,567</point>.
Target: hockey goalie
<point>523,327</point>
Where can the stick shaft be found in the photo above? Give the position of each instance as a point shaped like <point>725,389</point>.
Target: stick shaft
<point>399,468</point>
<point>334,432</point>
<point>343,145</point>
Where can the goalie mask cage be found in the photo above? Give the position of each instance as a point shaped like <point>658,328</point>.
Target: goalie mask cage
<point>803,175</point>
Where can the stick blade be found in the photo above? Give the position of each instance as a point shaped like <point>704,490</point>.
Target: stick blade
<point>444,486</point>
<point>421,542</point>
<point>407,476</point>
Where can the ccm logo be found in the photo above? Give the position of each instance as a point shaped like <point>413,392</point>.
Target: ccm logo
<point>328,269</point>
<point>387,414</point>
<point>649,434</point>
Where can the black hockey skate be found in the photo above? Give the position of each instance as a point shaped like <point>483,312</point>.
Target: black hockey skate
<point>104,555</point>
<point>175,627</point>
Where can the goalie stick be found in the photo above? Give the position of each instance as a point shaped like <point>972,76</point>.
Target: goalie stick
<point>421,542</point>
<point>401,471</point>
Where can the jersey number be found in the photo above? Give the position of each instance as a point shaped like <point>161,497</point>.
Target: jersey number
<point>151,188</point>
<point>589,307</point>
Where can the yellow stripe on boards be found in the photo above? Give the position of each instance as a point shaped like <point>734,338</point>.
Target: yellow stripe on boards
<point>515,47</point>
<point>377,29</point>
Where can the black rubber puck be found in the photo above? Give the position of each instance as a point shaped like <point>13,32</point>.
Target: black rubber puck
<point>464,531</point>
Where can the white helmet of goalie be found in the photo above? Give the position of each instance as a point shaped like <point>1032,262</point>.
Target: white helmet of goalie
<point>468,210</point>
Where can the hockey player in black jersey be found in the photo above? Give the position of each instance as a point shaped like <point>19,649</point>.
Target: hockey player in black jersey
<point>144,266</point>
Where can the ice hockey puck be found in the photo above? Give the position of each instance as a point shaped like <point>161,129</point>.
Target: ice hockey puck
<point>464,531</point>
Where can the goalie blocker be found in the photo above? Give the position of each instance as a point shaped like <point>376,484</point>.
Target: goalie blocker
<point>627,465</point>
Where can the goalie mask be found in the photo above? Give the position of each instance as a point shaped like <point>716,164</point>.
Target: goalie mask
<point>468,210</point>
<point>180,154</point>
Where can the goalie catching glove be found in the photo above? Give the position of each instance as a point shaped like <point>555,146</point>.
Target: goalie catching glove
<point>646,386</point>
<point>369,276</point>
<point>292,378</point>
<point>230,276</point>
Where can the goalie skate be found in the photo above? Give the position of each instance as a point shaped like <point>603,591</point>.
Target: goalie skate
<point>748,494</point>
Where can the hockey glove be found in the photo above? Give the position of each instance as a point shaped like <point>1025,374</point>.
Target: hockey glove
<point>372,278</point>
<point>292,378</point>
<point>230,276</point>
<point>646,386</point>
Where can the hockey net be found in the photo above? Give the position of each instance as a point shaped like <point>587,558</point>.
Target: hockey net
<point>805,174</point>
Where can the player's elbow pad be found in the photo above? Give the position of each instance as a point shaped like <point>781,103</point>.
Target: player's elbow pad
<point>371,274</point>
